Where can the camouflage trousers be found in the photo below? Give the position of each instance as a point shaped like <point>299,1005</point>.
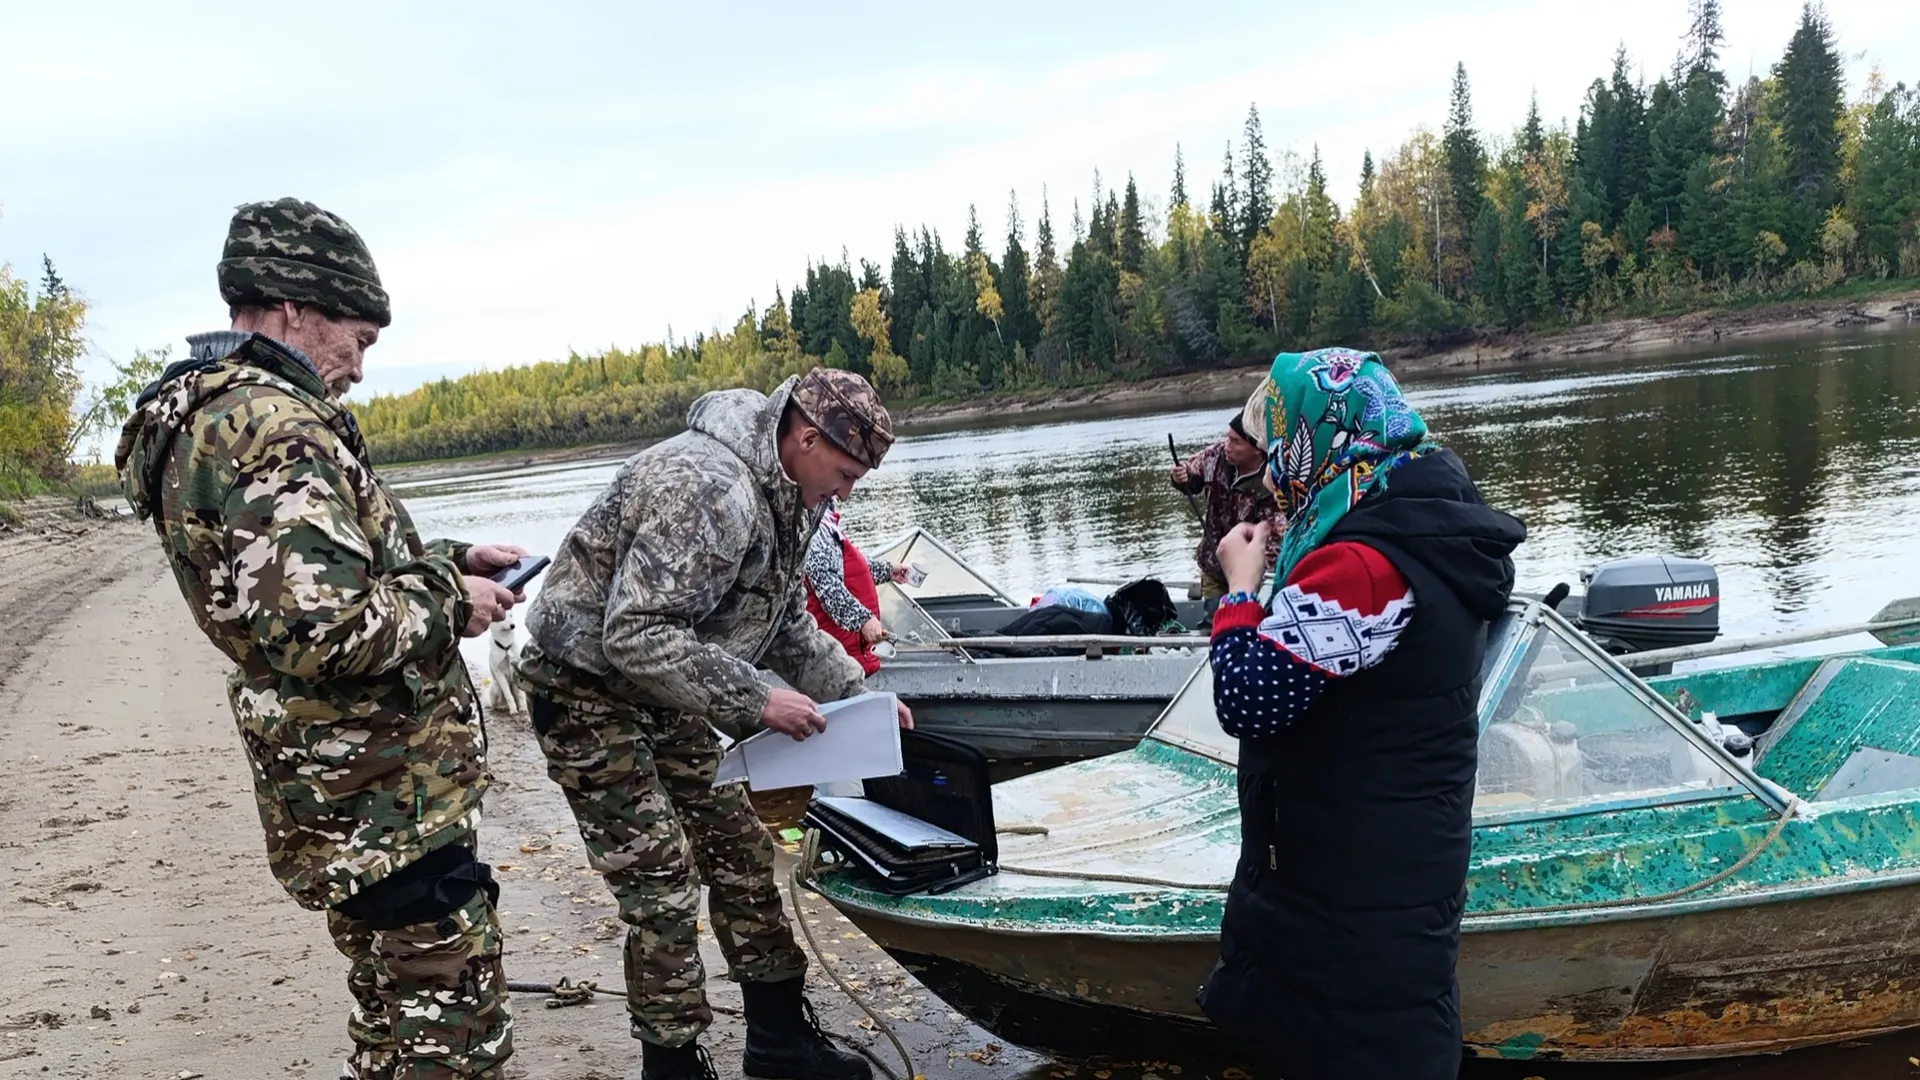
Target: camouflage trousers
<point>430,999</point>
<point>640,783</point>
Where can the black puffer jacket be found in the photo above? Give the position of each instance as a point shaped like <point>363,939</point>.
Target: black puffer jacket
<point>1343,924</point>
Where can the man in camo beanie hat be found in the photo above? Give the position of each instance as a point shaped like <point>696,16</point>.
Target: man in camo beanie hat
<point>292,250</point>
<point>343,624</point>
<point>848,413</point>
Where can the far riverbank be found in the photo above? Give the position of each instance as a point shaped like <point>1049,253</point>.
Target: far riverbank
<point>1615,338</point>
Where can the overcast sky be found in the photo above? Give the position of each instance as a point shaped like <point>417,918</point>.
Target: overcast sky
<point>586,175</point>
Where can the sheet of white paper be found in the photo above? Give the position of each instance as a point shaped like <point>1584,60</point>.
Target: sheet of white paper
<point>862,740</point>
<point>733,767</point>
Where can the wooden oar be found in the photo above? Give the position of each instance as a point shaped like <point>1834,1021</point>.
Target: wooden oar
<point>1896,624</point>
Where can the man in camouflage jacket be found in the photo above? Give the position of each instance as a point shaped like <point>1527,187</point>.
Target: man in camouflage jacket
<point>1229,476</point>
<point>683,578</point>
<point>353,703</point>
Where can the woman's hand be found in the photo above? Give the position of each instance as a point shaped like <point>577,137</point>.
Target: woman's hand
<point>871,630</point>
<point>901,573</point>
<point>1243,556</point>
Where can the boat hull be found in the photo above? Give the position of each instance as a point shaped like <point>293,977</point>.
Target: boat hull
<point>1735,979</point>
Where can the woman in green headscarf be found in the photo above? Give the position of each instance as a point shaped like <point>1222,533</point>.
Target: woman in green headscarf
<point>1353,692</point>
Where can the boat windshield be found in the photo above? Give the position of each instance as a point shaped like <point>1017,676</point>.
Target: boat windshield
<point>905,620</point>
<point>948,575</point>
<point>1189,721</point>
<point>1564,729</point>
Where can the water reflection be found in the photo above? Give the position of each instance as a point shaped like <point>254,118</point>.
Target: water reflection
<point>1789,465</point>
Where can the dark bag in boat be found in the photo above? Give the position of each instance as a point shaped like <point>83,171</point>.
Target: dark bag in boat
<point>1056,620</point>
<point>1143,609</point>
<point>930,829</point>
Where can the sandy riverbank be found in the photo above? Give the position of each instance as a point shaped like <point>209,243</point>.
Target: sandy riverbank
<point>1623,337</point>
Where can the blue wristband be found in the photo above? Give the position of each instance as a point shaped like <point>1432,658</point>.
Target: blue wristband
<point>1238,598</point>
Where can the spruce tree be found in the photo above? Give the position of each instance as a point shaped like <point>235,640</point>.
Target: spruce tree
<point>1593,140</point>
<point>1178,197</point>
<point>1133,233</point>
<point>1016,283</point>
<point>1533,134</point>
<point>1466,158</point>
<point>1701,49</point>
<point>1811,105</point>
<point>1627,173</point>
<point>1043,294</point>
<point>1256,201</point>
<point>908,292</point>
<point>1366,173</point>
<point>51,284</point>
<point>1226,204</point>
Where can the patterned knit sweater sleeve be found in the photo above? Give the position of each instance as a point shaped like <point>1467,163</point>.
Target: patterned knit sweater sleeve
<point>1340,612</point>
<point>826,569</point>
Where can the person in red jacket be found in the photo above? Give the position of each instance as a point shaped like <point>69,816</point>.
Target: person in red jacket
<point>842,592</point>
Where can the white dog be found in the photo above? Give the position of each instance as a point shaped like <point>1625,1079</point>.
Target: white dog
<point>503,692</point>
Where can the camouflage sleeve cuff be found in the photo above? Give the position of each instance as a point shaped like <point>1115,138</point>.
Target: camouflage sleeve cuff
<point>739,714</point>
<point>455,550</point>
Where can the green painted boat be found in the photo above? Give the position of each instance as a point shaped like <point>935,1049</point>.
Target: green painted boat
<point>1635,892</point>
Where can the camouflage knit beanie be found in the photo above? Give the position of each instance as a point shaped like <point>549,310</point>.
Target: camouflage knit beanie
<point>847,411</point>
<point>292,250</point>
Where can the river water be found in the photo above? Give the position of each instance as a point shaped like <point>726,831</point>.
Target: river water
<point>1793,466</point>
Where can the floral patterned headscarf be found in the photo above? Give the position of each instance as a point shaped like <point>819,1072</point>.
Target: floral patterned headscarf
<point>1334,425</point>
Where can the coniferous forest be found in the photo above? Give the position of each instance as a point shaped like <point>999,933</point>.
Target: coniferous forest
<point>1693,192</point>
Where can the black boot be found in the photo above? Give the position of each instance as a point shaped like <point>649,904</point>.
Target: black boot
<point>687,1062</point>
<point>784,1040</point>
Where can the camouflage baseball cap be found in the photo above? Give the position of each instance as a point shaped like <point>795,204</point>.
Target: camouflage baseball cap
<point>292,250</point>
<point>847,411</point>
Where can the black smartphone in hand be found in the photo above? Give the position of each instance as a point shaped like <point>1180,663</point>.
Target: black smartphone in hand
<point>515,577</point>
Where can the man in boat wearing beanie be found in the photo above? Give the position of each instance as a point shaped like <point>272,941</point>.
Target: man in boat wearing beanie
<point>676,585</point>
<point>354,706</point>
<point>1226,475</point>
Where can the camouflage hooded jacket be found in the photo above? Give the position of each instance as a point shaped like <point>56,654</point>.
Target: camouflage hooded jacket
<point>687,572</point>
<point>353,703</point>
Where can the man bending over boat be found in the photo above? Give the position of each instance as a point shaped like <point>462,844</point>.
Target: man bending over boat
<point>1226,474</point>
<point>1353,693</point>
<point>675,584</point>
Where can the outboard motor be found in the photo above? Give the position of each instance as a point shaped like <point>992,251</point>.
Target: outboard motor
<point>1650,602</point>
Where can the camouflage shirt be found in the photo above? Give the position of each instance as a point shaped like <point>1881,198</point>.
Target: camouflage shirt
<point>688,571</point>
<point>1229,500</point>
<point>352,700</point>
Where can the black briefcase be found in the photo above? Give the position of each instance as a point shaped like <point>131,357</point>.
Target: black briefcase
<point>930,829</point>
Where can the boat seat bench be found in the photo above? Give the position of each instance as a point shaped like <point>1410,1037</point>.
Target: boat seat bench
<point>1856,720</point>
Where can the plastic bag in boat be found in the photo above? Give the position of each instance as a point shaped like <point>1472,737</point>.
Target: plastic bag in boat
<point>1071,596</point>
